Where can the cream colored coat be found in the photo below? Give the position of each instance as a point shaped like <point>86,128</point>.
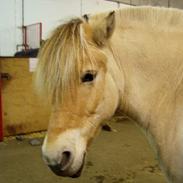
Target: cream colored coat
<point>135,57</point>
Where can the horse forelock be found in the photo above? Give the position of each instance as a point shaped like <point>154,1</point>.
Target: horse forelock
<point>61,60</point>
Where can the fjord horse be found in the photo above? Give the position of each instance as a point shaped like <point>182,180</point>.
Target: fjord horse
<point>131,60</point>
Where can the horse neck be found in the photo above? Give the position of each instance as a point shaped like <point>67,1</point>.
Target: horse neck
<point>149,77</point>
<point>133,99</point>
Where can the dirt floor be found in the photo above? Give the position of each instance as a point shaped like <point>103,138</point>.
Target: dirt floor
<point>123,156</point>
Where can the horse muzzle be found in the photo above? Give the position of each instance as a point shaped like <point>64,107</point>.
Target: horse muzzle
<point>65,167</point>
<point>65,156</point>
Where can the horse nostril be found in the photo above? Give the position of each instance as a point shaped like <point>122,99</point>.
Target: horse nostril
<point>66,160</point>
<point>61,168</point>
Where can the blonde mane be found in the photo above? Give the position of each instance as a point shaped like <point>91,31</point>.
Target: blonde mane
<point>62,56</point>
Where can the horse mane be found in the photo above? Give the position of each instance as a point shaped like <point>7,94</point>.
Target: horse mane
<point>158,17</point>
<point>60,61</point>
<point>62,56</point>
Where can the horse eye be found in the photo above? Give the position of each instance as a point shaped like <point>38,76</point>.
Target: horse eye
<point>88,77</point>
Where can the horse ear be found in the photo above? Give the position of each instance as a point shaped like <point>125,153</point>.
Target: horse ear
<point>86,17</point>
<point>110,24</point>
<point>103,30</point>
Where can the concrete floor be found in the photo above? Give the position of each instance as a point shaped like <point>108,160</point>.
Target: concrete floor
<point>114,157</point>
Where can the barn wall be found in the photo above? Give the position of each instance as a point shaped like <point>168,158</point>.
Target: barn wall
<point>164,3</point>
<point>151,2</point>
<point>176,3</point>
<point>23,112</point>
<point>10,23</point>
<point>95,6</point>
<point>49,12</point>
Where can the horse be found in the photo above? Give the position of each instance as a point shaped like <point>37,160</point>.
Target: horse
<point>130,60</point>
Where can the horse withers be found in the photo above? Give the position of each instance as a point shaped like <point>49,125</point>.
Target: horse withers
<point>131,60</point>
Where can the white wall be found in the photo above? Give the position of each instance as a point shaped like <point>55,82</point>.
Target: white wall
<point>10,20</point>
<point>49,12</point>
<point>94,6</point>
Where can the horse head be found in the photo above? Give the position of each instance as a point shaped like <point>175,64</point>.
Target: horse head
<point>73,71</point>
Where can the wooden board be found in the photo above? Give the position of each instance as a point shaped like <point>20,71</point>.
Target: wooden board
<point>23,112</point>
